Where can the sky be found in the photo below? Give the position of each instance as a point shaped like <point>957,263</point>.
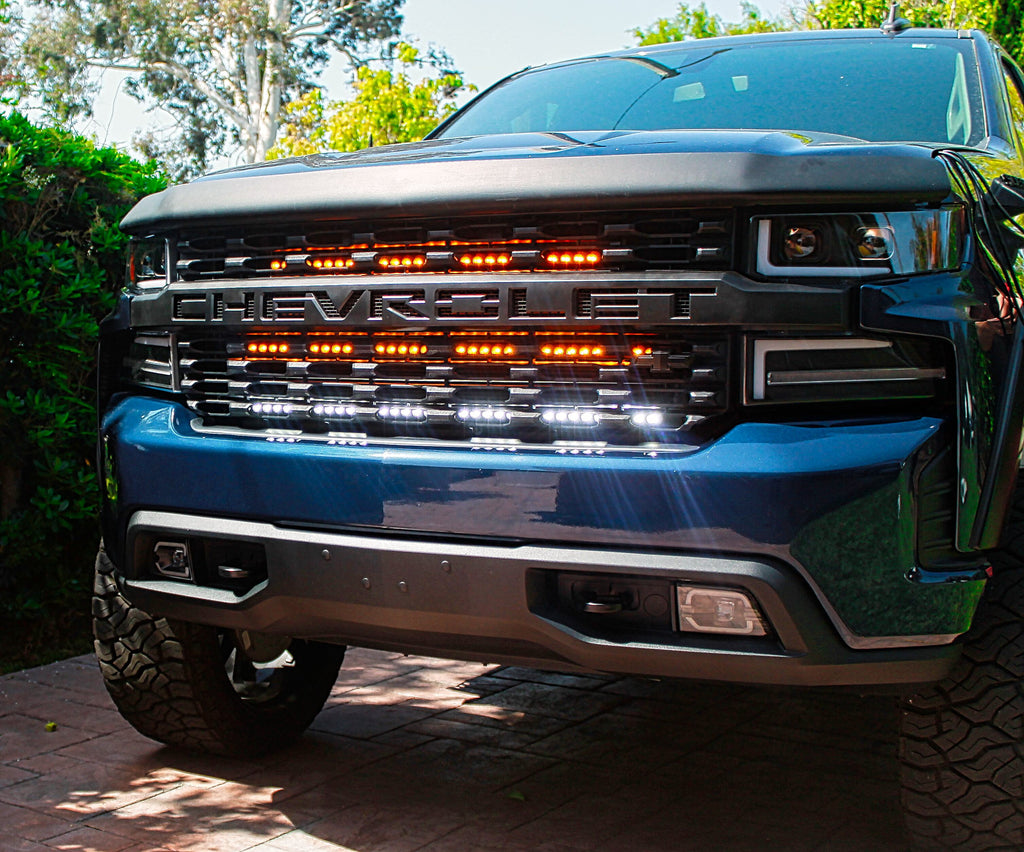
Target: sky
<point>486,38</point>
<point>491,38</point>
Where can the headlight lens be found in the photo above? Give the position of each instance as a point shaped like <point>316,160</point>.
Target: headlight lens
<point>858,245</point>
<point>147,265</point>
<point>801,242</point>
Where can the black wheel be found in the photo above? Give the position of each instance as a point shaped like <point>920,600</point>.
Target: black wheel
<point>221,691</point>
<point>962,741</point>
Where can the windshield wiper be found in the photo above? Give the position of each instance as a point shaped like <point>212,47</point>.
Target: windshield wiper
<point>662,71</point>
<point>704,58</point>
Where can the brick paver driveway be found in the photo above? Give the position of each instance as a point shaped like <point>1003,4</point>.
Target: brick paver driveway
<point>421,754</point>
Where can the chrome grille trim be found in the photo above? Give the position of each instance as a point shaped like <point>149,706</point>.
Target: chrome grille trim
<point>498,445</point>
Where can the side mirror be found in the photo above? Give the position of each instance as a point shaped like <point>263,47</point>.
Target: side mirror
<point>1006,196</point>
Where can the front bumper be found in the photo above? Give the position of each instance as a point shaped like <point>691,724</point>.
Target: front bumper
<point>498,604</point>
<point>817,520</point>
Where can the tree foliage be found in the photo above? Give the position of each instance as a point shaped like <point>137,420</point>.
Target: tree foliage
<point>1006,22</point>
<point>223,68</point>
<point>390,105</point>
<point>11,75</point>
<point>843,14</point>
<point>61,252</point>
<point>697,22</point>
<point>1003,19</point>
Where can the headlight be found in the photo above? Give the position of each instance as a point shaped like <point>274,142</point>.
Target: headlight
<point>857,245</point>
<point>147,265</point>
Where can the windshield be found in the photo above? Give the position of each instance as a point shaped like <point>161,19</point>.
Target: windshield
<point>877,89</point>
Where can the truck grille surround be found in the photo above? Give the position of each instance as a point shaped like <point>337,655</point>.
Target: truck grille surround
<point>564,330</point>
<point>607,376</point>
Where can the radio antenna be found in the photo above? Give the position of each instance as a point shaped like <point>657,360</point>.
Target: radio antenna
<point>894,23</point>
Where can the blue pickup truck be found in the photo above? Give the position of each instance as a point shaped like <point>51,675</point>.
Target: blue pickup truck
<point>696,361</point>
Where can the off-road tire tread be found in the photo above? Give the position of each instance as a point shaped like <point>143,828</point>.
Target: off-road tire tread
<point>167,679</point>
<point>962,740</point>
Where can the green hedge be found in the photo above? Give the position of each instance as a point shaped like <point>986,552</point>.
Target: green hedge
<point>61,261</point>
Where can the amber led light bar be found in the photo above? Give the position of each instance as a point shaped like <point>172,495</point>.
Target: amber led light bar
<point>512,347</point>
<point>331,348</point>
<point>484,350</point>
<point>573,257</point>
<point>571,351</point>
<point>267,347</point>
<point>399,348</point>
<point>325,263</point>
<point>488,260</point>
<point>428,258</point>
<point>401,261</point>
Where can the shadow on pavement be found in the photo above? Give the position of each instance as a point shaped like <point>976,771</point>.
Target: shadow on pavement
<point>420,754</point>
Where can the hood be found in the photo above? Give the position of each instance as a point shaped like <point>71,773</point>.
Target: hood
<point>516,146</point>
<point>492,175</point>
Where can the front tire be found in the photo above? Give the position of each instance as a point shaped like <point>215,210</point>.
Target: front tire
<point>962,741</point>
<point>202,688</point>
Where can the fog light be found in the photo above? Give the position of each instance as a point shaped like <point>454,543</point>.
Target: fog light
<point>710,610</point>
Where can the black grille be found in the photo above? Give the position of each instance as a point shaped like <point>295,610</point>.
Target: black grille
<point>632,240</point>
<point>537,387</point>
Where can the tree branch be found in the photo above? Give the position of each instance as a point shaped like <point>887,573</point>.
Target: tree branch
<point>200,85</point>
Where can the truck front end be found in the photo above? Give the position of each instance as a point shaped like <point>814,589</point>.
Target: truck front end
<point>698,404</point>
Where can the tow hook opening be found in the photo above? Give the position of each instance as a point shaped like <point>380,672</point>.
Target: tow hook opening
<point>170,558</point>
<point>231,564</point>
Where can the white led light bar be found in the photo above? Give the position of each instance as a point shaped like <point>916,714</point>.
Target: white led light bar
<point>647,418</point>
<point>274,409</point>
<point>570,416</point>
<point>482,414</point>
<point>321,410</point>
<point>401,412</point>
